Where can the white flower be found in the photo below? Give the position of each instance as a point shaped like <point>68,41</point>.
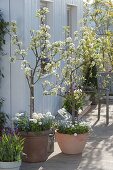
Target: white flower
<point>48,114</point>
<point>69,40</point>
<point>27,71</point>
<point>17,115</point>
<point>22,114</point>
<point>75,134</point>
<point>83,123</point>
<point>40,116</point>
<point>23,64</point>
<point>33,120</point>
<point>15,119</point>
<point>37,116</point>
<point>40,123</point>
<point>68,126</point>
<point>34,116</point>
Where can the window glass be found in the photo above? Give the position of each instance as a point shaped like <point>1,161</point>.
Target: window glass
<point>69,18</point>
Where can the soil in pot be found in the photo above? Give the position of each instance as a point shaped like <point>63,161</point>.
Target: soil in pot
<point>70,144</point>
<point>35,147</point>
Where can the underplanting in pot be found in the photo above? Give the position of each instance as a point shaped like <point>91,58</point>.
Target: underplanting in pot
<point>35,131</point>
<point>72,137</point>
<point>11,149</point>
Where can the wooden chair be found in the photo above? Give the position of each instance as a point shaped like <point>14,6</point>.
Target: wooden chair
<point>105,92</point>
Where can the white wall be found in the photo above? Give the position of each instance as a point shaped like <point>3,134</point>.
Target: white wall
<point>14,87</point>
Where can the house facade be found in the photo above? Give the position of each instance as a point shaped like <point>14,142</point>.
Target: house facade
<point>13,86</point>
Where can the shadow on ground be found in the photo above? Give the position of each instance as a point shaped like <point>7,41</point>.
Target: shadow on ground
<point>58,162</point>
<point>98,153</point>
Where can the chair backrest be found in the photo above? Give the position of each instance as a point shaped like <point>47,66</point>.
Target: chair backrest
<point>105,81</point>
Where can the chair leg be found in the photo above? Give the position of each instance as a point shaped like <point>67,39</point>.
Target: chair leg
<point>99,108</point>
<point>107,113</point>
<point>107,107</point>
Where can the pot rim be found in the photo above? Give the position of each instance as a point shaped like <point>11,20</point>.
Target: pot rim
<point>10,165</point>
<point>41,133</point>
<point>12,162</point>
<point>72,134</point>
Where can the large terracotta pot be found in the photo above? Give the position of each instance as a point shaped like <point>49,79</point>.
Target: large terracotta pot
<point>70,144</point>
<point>35,147</point>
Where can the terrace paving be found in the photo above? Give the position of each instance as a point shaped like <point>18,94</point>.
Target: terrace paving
<point>97,155</point>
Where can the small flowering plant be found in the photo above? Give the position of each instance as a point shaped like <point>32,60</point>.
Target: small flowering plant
<point>11,146</point>
<point>67,127</point>
<point>39,122</point>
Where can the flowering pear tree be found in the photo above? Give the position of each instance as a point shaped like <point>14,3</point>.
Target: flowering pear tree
<point>100,17</point>
<point>42,51</point>
<point>67,76</point>
<point>76,59</point>
<point>89,50</point>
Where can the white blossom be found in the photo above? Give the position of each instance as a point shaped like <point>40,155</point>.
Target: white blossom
<point>33,120</point>
<point>40,123</point>
<point>15,119</point>
<point>17,115</point>
<point>48,114</point>
<point>27,71</point>
<point>75,134</point>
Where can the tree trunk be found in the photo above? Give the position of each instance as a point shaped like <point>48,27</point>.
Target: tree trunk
<point>31,95</point>
<point>73,112</point>
<point>73,102</point>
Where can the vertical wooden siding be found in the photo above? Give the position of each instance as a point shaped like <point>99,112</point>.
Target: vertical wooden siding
<point>14,88</point>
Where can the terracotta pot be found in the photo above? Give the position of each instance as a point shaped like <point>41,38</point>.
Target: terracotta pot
<point>35,147</point>
<point>70,144</point>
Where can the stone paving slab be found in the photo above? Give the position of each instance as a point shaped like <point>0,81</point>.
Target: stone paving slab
<point>97,155</point>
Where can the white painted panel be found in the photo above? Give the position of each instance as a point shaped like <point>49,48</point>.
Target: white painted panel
<point>17,77</point>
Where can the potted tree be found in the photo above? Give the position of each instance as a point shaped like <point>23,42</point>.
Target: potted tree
<point>11,148</point>
<point>69,133</point>
<point>45,60</point>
